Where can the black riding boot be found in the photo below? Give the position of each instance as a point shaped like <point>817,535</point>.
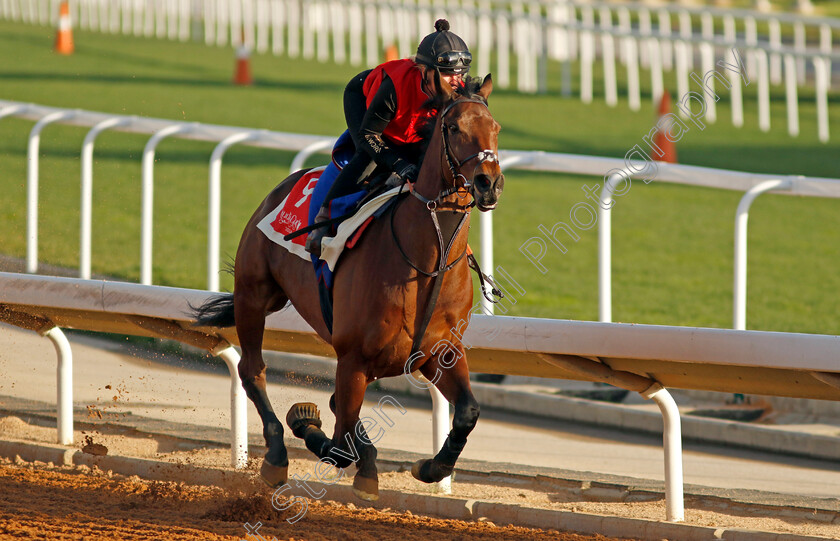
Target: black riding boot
<point>313,240</point>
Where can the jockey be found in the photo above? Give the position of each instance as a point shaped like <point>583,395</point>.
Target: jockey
<point>386,106</point>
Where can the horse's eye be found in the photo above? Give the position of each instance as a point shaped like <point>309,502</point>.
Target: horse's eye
<point>453,128</point>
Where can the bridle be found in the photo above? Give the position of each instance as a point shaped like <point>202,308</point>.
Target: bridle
<point>455,165</point>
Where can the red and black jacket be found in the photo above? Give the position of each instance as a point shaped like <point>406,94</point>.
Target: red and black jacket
<point>385,110</point>
<point>410,114</point>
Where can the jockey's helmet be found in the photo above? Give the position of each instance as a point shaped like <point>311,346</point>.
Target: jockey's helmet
<point>444,50</point>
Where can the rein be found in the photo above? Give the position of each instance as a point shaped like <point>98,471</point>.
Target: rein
<point>432,206</point>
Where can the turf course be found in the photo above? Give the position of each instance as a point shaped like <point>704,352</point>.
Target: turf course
<point>672,246</point>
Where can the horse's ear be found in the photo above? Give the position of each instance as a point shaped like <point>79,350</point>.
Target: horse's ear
<point>442,88</point>
<point>486,87</point>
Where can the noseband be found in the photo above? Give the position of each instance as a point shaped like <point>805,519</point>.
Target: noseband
<point>431,204</point>
<point>454,163</point>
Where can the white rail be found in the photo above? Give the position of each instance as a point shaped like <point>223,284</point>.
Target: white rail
<point>32,185</point>
<point>147,209</point>
<point>550,31</point>
<point>739,302</point>
<point>641,358</point>
<point>214,199</point>
<point>159,129</point>
<point>87,192</point>
<point>612,169</point>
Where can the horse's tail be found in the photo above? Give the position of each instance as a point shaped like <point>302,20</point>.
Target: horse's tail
<point>215,312</point>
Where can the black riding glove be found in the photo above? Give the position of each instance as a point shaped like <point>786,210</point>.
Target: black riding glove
<point>406,171</point>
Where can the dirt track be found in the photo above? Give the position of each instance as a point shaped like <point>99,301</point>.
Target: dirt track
<point>44,502</point>
<point>74,502</point>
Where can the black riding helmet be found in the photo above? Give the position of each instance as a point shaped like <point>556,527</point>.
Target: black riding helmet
<point>444,50</point>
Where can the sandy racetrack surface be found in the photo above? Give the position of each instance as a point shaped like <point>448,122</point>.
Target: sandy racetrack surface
<point>80,501</point>
<point>41,501</point>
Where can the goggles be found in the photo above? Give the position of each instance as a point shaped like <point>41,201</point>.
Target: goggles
<point>450,60</point>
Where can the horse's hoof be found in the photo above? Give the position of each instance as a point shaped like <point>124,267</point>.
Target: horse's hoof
<point>274,476</point>
<point>332,403</point>
<point>302,415</point>
<point>428,471</point>
<point>417,468</point>
<point>366,488</point>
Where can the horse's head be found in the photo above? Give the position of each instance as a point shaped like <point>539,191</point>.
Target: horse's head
<point>470,140</point>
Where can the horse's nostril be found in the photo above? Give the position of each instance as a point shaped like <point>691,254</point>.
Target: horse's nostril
<point>483,181</point>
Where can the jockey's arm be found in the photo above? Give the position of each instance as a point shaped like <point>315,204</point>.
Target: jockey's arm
<point>379,114</point>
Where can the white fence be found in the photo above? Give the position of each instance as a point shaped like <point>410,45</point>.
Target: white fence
<point>667,38</point>
<point>611,169</point>
<point>641,358</point>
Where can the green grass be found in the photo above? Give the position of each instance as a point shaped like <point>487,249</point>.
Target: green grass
<point>672,257</point>
<point>827,8</point>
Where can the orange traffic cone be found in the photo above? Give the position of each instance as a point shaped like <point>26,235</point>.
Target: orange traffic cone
<point>242,76</point>
<point>391,53</point>
<point>660,141</point>
<point>64,38</point>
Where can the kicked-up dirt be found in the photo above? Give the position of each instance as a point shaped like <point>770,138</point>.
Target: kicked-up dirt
<point>42,501</point>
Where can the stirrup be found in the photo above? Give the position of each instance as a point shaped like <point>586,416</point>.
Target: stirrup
<point>313,240</point>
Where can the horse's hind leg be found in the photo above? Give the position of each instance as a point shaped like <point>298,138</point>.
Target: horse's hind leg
<point>454,384</point>
<point>254,297</point>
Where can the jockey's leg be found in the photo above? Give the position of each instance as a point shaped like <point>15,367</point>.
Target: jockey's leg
<point>347,181</point>
<point>454,384</point>
<point>344,184</point>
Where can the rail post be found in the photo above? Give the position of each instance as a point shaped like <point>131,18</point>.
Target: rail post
<point>214,197</point>
<point>87,192</point>
<point>672,444</point>
<point>300,158</point>
<point>742,215</point>
<point>32,186</point>
<point>238,407</point>
<point>64,382</point>
<point>147,172</point>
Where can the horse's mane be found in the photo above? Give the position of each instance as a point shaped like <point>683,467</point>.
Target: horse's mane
<point>469,90</point>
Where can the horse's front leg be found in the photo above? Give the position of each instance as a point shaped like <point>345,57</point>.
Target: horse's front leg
<point>454,384</point>
<point>350,442</point>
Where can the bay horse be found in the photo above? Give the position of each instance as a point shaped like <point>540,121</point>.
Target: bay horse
<point>384,296</point>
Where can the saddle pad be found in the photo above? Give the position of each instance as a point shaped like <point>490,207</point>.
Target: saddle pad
<point>293,212</point>
<point>331,248</point>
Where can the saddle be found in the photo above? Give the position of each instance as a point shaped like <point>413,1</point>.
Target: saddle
<point>375,186</point>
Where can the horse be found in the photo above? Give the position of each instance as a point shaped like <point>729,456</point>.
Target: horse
<point>402,289</point>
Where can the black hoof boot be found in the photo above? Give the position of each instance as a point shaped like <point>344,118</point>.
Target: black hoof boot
<point>430,470</point>
<point>275,466</point>
<point>302,415</point>
<point>277,455</point>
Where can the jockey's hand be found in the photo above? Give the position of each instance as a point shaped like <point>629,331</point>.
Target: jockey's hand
<point>408,172</point>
